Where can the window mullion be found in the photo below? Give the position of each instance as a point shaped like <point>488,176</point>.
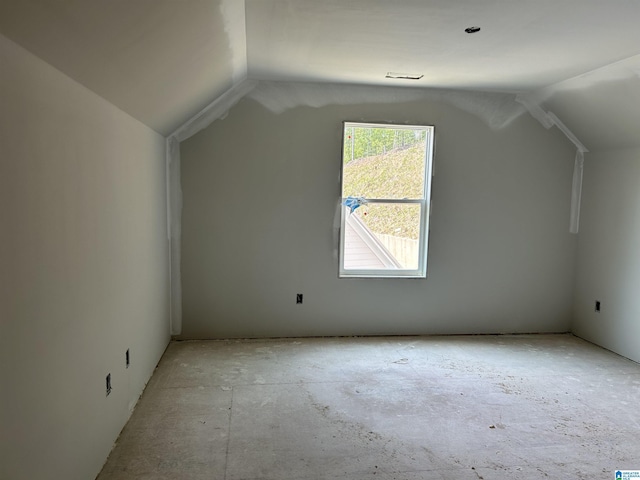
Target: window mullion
<point>394,200</point>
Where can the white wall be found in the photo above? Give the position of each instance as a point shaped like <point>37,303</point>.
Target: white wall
<point>260,193</point>
<point>609,252</point>
<point>83,276</point>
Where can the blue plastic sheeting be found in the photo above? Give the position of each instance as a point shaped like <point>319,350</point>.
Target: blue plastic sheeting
<point>352,203</point>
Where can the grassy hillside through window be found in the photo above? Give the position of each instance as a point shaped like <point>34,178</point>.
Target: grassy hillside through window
<point>396,174</point>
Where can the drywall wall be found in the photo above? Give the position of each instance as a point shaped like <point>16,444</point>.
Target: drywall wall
<point>608,255</point>
<point>84,272</point>
<point>495,109</point>
<point>260,194</point>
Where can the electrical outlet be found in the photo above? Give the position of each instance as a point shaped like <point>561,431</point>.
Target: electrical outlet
<point>597,308</point>
<point>298,298</point>
<point>108,384</point>
<point>127,358</point>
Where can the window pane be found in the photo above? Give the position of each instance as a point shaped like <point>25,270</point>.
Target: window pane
<point>383,162</point>
<point>386,174</point>
<point>382,236</point>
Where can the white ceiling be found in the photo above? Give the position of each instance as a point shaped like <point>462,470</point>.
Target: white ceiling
<point>164,60</point>
<point>522,45</point>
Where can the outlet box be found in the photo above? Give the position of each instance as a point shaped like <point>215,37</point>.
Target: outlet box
<point>298,298</point>
<point>127,358</point>
<point>597,307</point>
<point>108,384</point>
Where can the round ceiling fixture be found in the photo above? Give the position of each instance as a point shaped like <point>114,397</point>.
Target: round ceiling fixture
<point>472,29</point>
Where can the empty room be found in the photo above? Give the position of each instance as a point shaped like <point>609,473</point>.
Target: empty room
<point>319,239</point>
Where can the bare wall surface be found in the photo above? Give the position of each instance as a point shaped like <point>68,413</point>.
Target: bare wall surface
<point>260,195</point>
<point>84,273</point>
<point>608,257</point>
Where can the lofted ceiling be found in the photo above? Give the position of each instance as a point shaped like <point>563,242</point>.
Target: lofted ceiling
<point>162,61</point>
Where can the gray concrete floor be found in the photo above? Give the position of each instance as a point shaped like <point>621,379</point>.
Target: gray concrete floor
<point>463,407</point>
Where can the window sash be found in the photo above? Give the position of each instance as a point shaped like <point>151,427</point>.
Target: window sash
<point>423,240</point>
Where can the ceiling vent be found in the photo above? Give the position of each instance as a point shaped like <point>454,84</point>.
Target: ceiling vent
<point>404,76</point>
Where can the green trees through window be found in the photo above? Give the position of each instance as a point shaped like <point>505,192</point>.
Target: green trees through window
<point>362,142</point>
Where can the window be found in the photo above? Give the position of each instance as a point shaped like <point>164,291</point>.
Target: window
<point>386,185</point>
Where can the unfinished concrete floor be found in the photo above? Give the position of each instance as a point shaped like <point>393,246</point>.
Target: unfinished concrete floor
<point>463,407</point>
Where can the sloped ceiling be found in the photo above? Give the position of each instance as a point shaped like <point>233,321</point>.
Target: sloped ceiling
<point>164,60</point>
<point>602,107</point>
<point>158,60</point>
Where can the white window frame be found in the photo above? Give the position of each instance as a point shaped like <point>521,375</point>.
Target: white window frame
<point>424,202</point>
